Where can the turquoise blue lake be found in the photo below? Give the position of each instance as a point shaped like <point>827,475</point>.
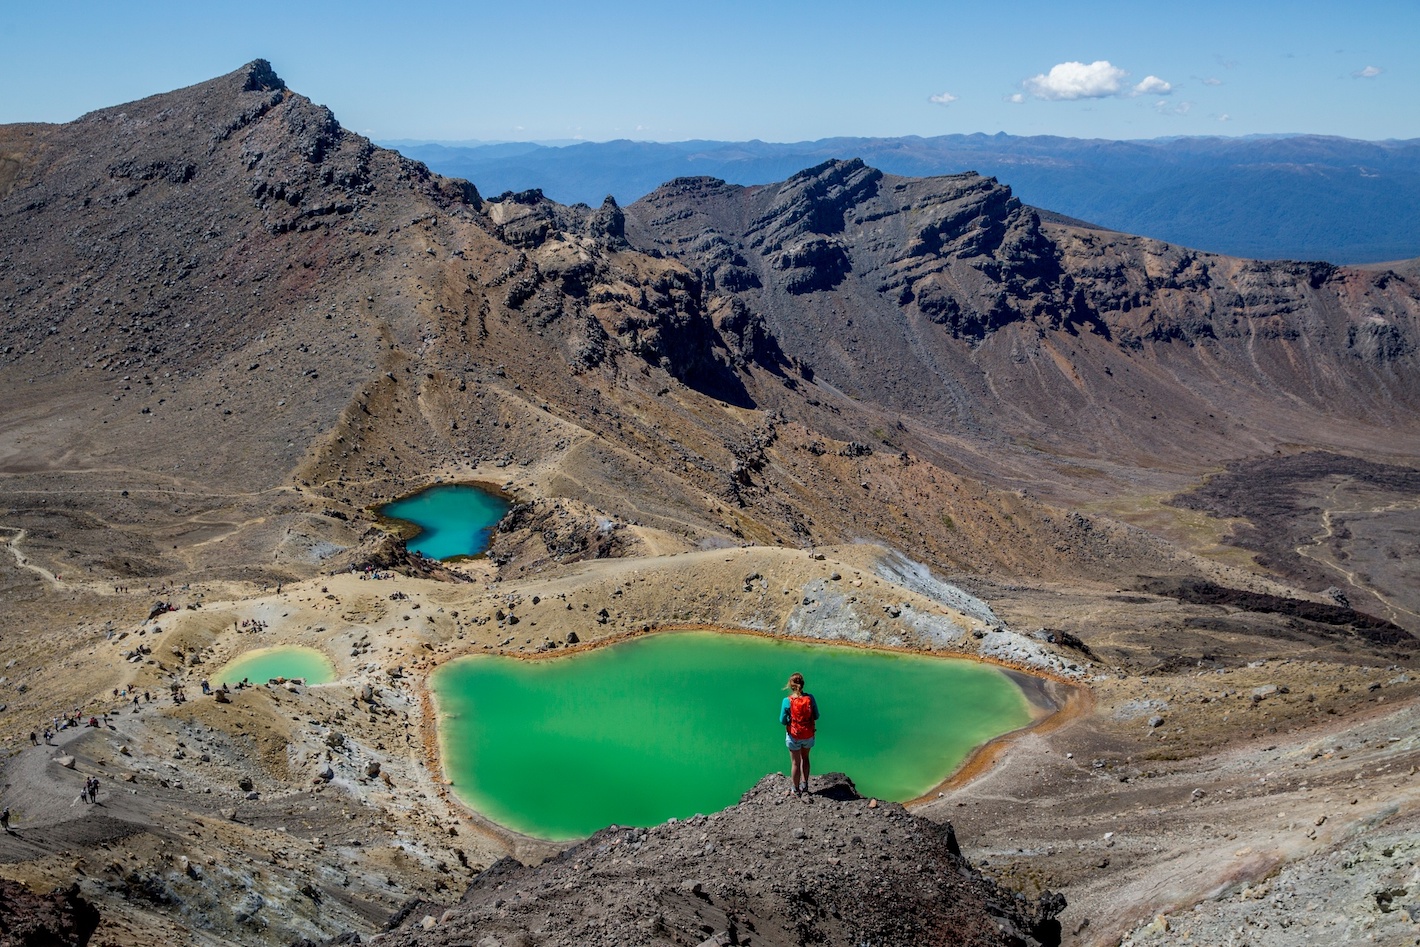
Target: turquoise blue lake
<point>453,519</point>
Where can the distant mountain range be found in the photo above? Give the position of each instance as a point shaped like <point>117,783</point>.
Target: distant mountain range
<point>1304,197</point>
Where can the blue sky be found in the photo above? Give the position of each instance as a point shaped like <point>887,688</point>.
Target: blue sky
<point>778,71</point>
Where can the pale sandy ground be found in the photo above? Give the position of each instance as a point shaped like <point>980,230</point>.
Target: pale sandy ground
<point>1281,840</point>
<point>177,845</point>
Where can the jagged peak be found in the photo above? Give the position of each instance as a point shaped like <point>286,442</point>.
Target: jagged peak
<point>817,200</point>
<point>256,80</point>
<point>701,184</point>
<point>260,77</point>
<point>833,168</point>
<point>532,197</point>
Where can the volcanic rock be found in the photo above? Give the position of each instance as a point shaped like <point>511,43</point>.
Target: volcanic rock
<point>61,918</point>
<point>775,869</point>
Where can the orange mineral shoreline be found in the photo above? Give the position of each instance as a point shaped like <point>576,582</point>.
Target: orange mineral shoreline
<point>1053,706</point>
<point>1078,702</point>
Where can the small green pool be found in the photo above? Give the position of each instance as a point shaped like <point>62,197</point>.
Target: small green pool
<point>262,664</point>
<point>453,519</point>
<point>674,724</point>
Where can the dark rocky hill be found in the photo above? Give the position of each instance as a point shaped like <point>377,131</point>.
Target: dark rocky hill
<point>250,319</point>
<point>949,300</point>
<point>198,265</point>
<point>827,868</point>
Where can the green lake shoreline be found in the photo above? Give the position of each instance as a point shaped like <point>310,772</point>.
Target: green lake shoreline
<point>874,695</point>
<point>260,665</point>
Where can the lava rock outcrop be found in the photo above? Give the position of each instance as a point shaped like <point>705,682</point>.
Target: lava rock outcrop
<point>949,299</point>
<point>61,918</point>
<point>775,870</point>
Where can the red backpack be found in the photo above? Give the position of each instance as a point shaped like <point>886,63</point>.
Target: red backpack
<point>801,717</point>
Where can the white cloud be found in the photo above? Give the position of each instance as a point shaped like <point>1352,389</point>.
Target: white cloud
<point>1212,80</point>
<point>1153,85</point>
<point>1017,98</point>
<point>1225,117</point>
<point>1169,108</point>
<point>943,98</point>
<point>1076,80</point>
<point>1370,72</point>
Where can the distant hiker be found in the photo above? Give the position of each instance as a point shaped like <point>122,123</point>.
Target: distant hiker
<point>5,820</point>
<point>34,738</point>
<point>797,714</point>
<point>48,736</point>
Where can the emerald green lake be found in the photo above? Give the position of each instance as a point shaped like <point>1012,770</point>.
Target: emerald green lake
<point>453,519</point>
<point>262,664</point>
<point>675,724</point>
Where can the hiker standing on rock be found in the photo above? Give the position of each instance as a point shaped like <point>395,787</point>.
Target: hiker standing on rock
<point>797,714</point>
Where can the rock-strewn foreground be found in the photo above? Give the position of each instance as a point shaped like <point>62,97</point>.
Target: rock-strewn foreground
<point>828,867</point>
<point>846,407</point>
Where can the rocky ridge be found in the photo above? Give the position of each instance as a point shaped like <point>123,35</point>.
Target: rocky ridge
<point>61,918</point>
<point>777,869</point>
<point>1031,326</point>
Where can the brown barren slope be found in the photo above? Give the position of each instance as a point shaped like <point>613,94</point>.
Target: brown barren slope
<point>851,407</point>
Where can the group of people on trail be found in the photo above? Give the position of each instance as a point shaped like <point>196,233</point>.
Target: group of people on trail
<point>69,720</point>
<point>89,792</point>
<point>798,714</point>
